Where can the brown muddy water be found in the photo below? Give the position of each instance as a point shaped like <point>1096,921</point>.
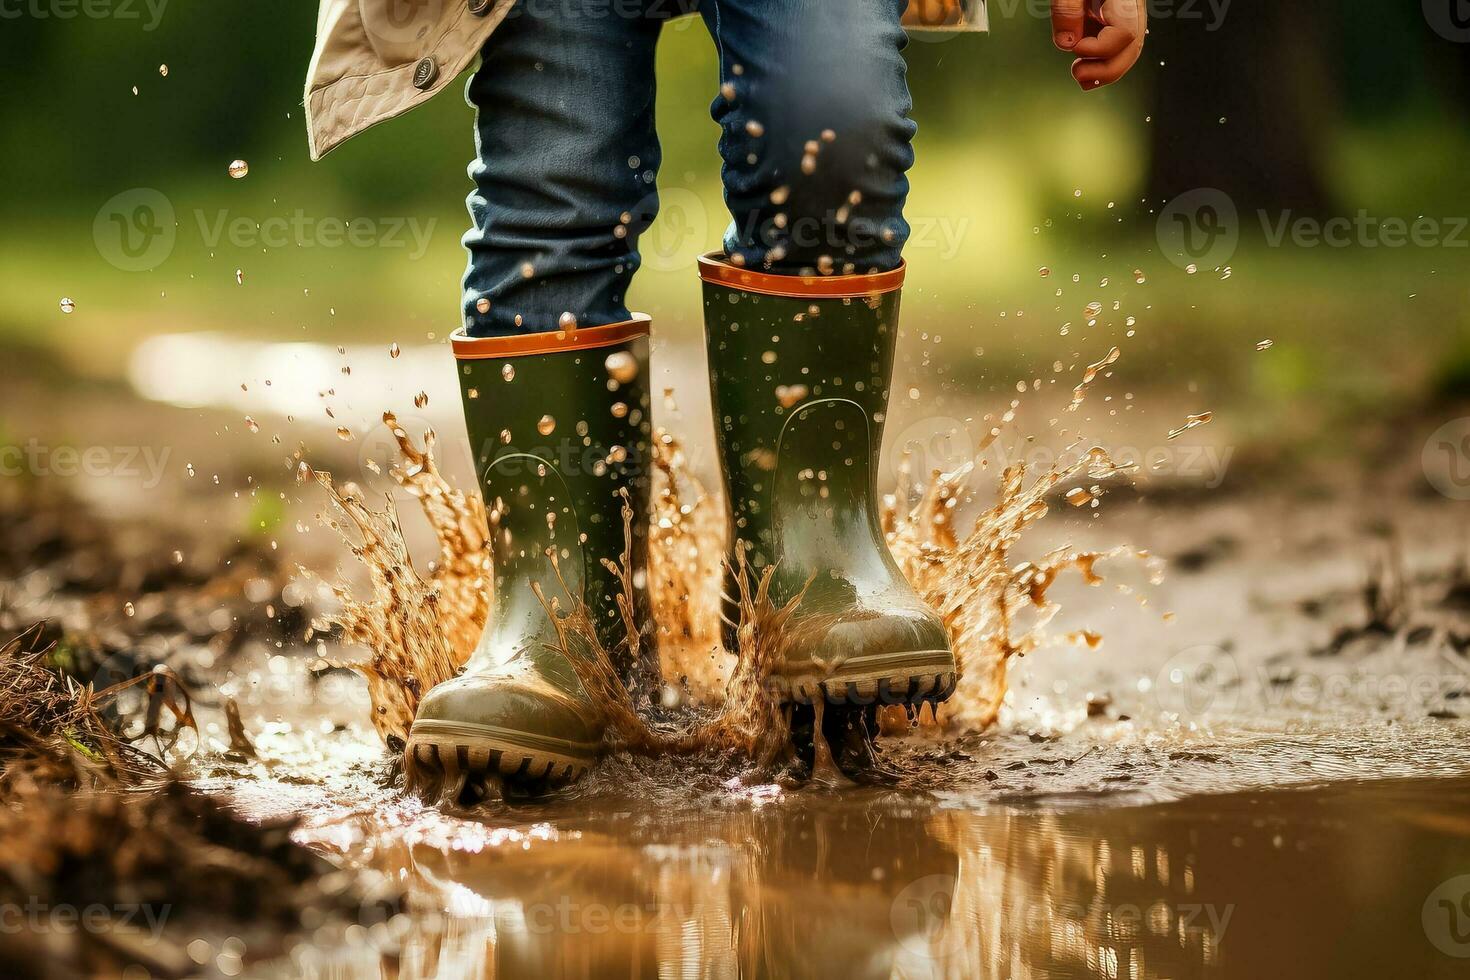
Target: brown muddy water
<point>638,875</point>
<point>1255,767</point>
<point>1214,817</point>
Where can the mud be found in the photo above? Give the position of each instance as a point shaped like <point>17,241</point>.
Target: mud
<point>1259,771</point>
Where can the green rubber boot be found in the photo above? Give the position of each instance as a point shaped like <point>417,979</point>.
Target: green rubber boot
<point>560,426</point>
<point>800,368</point>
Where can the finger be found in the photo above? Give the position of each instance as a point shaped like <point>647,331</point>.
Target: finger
<point>1091,73</point>
<point>1110,41</point>
<point>1066,23</point>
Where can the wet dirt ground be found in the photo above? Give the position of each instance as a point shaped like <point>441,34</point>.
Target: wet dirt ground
<point>1270,780</point>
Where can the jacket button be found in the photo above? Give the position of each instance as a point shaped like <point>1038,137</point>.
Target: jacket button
<point>479,7</point>
<point>425,73</point>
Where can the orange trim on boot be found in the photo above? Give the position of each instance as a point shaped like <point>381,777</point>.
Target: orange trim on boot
<point>713,267</point>
<point>467,348</point>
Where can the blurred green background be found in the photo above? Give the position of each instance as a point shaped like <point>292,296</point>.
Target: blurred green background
<point>1295,110</point>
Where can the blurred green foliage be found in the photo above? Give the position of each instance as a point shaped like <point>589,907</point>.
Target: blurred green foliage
<point>1028,171</point>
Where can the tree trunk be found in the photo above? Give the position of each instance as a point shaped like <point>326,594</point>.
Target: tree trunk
<point>1262,69</point>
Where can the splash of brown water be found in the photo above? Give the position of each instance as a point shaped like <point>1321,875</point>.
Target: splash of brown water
<point>974,587</point>
<point>420,631</point>
<point>688,528</point>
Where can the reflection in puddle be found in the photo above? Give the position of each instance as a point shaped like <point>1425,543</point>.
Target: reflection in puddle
<point>877,884</point>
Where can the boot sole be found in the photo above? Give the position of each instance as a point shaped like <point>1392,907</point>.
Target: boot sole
<point>903,680</point>
<point>448,751</point>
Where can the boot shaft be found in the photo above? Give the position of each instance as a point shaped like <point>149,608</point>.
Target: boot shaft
<point>800,369</point>
<point>560,432</point>
<point>774,354</point>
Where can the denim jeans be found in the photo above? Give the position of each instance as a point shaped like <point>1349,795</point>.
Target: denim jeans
<point>813,107</point>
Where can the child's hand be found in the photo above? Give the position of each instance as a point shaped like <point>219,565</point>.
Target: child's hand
<point>1106,36</point>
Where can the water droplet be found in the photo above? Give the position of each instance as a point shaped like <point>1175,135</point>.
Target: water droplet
<point>421,399</point>
<point>472,393</point>
<point>163,70</point>
<point>567,321</point>
<point>344,433</point>
<point>754,128</point>
<point>1264,344</point>
<point>728,91</point>
<point>251,424</point>
<point>128,609</point>
<point>769,357</point>
<point>546,426</point>
<point>239,168</point>
<point>178,557</point>
<point>621,366</point>
<point>393,350</point>
<point>617,455</point>
<point>1092,310</point>
<point>482,305</point>
<point>1191,422</point>
<point>508,371</point>
<point>829,135</point>
<point>1078,497</point>
<point>239,277</point>
<point>789,395</point>
<point>189,468</point>
<point>1191,268</point>
<point>527,270</point>
<point>68,305</point>
<point>620,410</point>
<point>1043,272</point>
<point>1139,277</point>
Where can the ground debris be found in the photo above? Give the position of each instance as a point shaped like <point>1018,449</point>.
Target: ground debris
<point>92,821</point>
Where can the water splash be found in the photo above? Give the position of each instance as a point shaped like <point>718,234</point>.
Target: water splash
<point>420,630</point>
<point>973,585</point>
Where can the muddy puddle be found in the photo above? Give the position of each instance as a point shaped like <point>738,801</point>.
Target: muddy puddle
<point>671,870</point>
<point>1254,766</point>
